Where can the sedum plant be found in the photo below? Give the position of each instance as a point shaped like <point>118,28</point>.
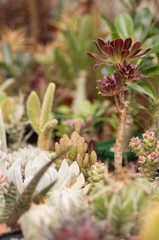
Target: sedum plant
<point>119,53</point>
<point>78,151</point>
<point>147,151</point>
<point>40,116</point>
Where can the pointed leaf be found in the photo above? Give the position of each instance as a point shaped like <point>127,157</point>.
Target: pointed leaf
<point>24,201</point>
<point>33,109</point>
<point>47,105</point>
<point>110,24</point>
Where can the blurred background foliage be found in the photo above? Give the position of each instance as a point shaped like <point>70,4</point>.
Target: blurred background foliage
<point>46,40</point>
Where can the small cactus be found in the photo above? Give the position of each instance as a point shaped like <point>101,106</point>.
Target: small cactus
<point>147,151</point>
<point>40,117</point>
<point>78,151</point>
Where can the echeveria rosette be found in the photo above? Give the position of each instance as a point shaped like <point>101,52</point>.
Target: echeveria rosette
<point>118,50</point>
<point>111,86</point>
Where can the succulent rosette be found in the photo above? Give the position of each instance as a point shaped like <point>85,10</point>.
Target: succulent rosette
<point>127,71</point>
<point>110,86</point>
<point>118,50</point>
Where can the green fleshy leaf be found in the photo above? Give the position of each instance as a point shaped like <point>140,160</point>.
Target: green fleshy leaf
<point>124,24</point>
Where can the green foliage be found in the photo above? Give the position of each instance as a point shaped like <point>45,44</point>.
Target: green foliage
<point>13,66</point>
<point>149,89</point>
<point>78,42</point>
<point>40,116</point>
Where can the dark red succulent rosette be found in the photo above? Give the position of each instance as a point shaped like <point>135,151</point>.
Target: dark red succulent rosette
<point>110,86</point>
<point>127,71</point>
<point>118,50</point>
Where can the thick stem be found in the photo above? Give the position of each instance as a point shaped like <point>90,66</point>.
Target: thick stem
<point>80,91</point>
<point>120,136</point>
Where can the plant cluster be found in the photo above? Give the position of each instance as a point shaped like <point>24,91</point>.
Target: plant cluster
<point>147,151</point>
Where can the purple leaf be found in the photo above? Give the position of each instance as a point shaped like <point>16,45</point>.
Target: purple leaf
<point>118,44</point>
<point>109,50</point>
<point>101,43</point>
<point>127,43</point>
<point>135,47</point>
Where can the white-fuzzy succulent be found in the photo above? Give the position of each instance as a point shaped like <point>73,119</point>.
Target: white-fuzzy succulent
<point>37,221</point>
<point>21,166</point>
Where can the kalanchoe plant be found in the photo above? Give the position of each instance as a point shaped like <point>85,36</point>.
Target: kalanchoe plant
<point>120,54</point>
<point>148,154</point>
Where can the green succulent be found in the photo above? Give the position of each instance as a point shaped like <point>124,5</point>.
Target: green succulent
<point>78,151</point>
<point>121,203</point>
<point>40,116</point>
<point>96,173</point>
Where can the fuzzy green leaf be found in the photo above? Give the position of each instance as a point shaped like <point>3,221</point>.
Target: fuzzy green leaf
<point>33,110</point>
<point>47,130</point>
<point>47,105</point>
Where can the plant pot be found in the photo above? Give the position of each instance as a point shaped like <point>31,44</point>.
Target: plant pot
<point>109,155</point>
<point>11,235</point>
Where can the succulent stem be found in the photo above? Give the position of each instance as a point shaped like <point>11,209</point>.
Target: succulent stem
<point>120,134</point>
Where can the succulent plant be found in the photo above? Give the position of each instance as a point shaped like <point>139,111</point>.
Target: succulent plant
<point>16,205</point>
<point>119,53</point>
<point>127,71</point>
<point>118,50</point>
<point>120,202</point>
<point>80,227</point>
<point>21,166</point>
<point>96,173</point>
<point>147,152</point>
<point>13,111</point>
<point>69,201</point>
<point>111,86</point>
<point>78,151</point>
<point>35,222</point>
<point>40,118</point>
